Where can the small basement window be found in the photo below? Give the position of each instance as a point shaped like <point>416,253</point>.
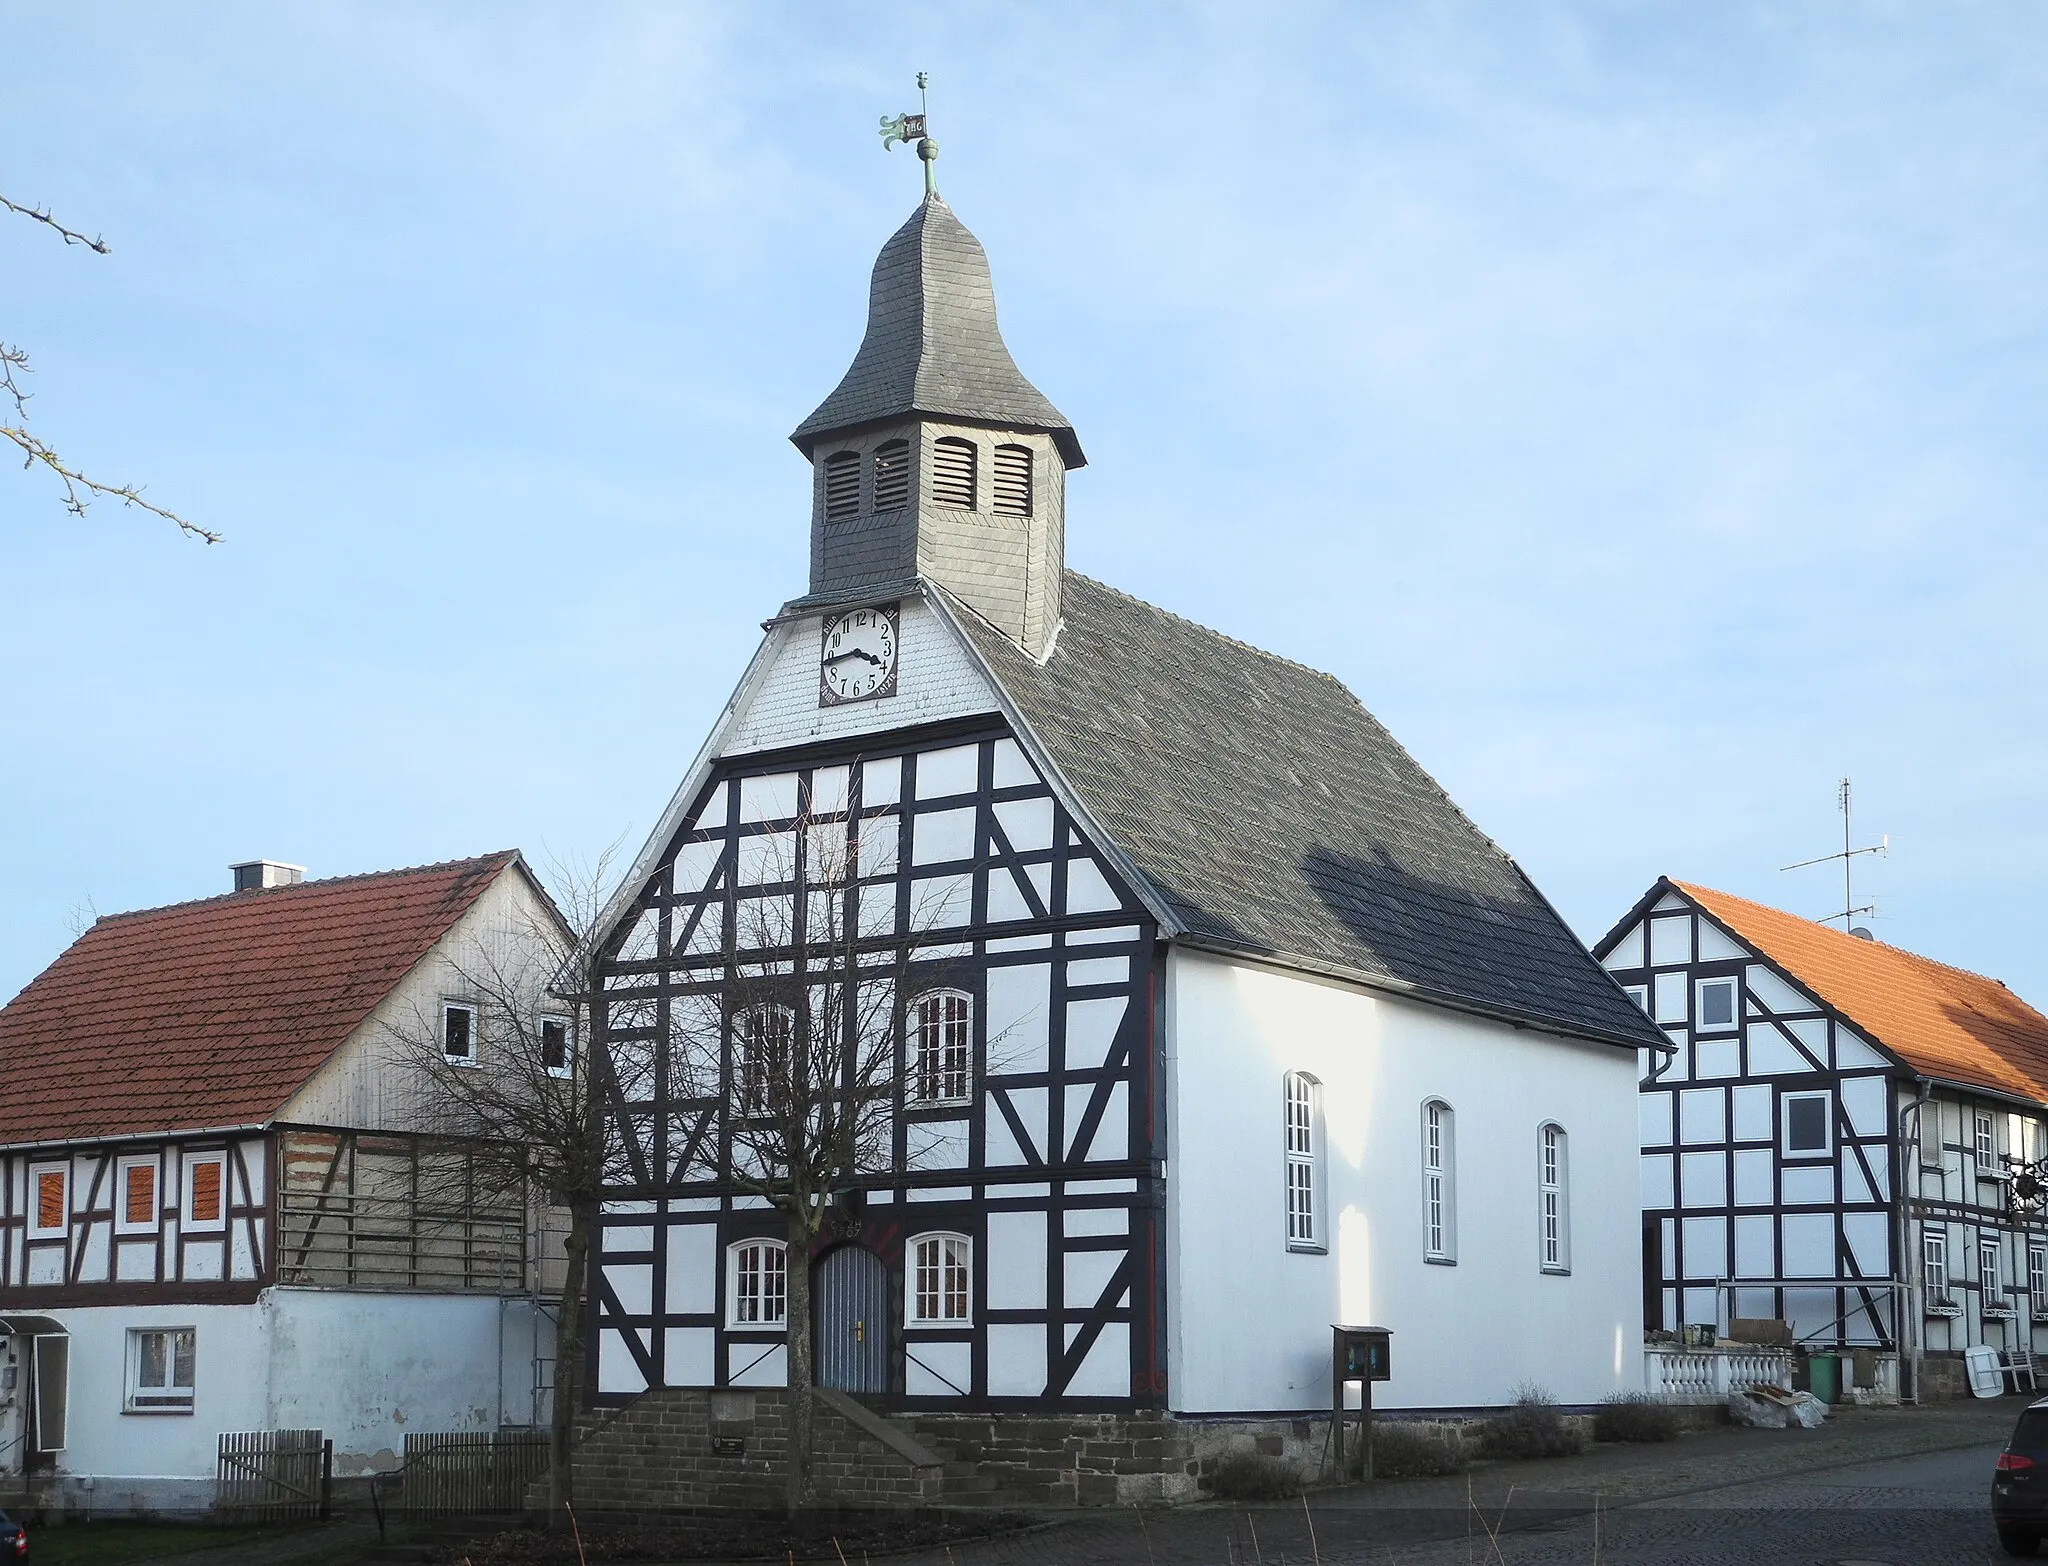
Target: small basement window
<point>842,486</point>
<point>1013,481</point>
<point>953,472</point>
<point>892,475</point>
<point>1716,1002</point>
<point>458,1034</point>
<point>160,1370</point>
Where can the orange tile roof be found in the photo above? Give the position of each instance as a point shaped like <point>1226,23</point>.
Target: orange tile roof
<point>211,1014</point>
<point>1943,1022</point>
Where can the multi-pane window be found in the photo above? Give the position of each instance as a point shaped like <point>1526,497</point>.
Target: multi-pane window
<point>554,1046</point>
<point>1439,1182</point>
<point>458,1034</point>
<point>953,472</point>
<point>760,1284</point>
<point>1986,1143</point>
<point>160,1366</point>
<point>1553,1209</point>
<point>1990,1290</point>
<point>205,1193</point>
<point>51,1209</point>
<point>842,486</point>
<point>940,1270</point>
<point>1716,1005</point>
<point>1934,1263</point>
<point>942,1048</point>
<point>892,475</point>
<point>1304,1155</point>
<point>762,1035</point>
<point>2037,1279</point>
<point>1013,481</point>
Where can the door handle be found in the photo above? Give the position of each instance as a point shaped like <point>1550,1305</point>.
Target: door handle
<point>860,1332</point>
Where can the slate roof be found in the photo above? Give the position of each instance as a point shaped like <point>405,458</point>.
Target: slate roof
<point>1274,815</point>
<point>212,1014</point>
<point>1944,1022</point>
<point>932,344</point>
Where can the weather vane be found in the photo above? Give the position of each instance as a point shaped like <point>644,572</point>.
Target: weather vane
<point>910,127</point>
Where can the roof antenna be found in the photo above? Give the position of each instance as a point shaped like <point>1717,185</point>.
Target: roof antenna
<point>1848,856</point>
<point>910,127</point>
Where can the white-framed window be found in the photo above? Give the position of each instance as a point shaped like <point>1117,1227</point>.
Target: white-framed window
<point>1302,1105</point>
<point>1803,1125</point>
<point>1991,1291</point>
<point>458,1033</point>
<point>49,1200</point>
<point>1640,994</point>
<point>1714,1005</point>
<point>1986,1142</point>
<point>1934,1262</point>
<point>2037,1279</point>
<point>206,1193</point>
<point>557,1046</point>
<point>757,1293</point>
<point>1439,1182</point>
<point>761,1037</point>
<point>136,1194</point>
<point>161,1369</point>
<point>941,1281</point>
<point>941,1047</point>
<point>1553,1199</point>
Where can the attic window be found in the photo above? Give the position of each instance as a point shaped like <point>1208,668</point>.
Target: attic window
<point>458,1035</point>
<point>554,1046</point>
<point>892,475</point>
<point>953,475</point>
<point>842,486</point>
<point>1013,481</point>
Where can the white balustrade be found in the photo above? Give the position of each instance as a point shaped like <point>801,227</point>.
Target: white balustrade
<point>1680,1375</point>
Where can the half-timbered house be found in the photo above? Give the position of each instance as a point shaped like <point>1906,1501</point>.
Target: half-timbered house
<point>1813,1077</point>
<point>216,1214</point>
<point>1214,1022</point>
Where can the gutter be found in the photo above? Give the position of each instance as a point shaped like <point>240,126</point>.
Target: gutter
<point>1911,1261</point>
<point>165,1135</point>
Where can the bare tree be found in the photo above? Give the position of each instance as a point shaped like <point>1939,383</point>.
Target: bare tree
<point>798,1037</point>
<point>513,1095</point>
<point>80,490</point>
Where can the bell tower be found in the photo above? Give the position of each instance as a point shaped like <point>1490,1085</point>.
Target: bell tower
<point>934,457</point>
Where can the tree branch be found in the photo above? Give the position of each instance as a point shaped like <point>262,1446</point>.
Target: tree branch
<point>42,215</point>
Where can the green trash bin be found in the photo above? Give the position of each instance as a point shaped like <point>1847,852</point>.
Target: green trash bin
<point>1824,1376</point>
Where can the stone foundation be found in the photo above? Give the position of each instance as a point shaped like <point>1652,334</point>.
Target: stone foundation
<point>1943,1378</point>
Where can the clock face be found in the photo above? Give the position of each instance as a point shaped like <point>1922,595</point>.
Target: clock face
<point>858,659</point>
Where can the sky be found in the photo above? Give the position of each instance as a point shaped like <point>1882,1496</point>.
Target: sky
<point>1639,406</point>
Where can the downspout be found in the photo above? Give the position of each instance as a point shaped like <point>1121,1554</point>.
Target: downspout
<point>1912,1263</point>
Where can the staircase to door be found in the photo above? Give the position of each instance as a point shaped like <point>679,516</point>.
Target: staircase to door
<point>850,1305</point>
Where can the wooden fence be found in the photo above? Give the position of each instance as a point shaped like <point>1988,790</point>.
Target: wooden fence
<point>472,1471</point>
<point>269,1476</point>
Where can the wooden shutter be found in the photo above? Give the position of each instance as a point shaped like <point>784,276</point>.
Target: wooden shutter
<point>953,463</point>
<point>892,475</point>
<point>206,1192</point>
<point>1013,481</point>
<point>138,1194</point>
<point>842,485</point>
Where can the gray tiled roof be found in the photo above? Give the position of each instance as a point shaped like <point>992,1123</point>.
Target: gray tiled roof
<point>932,345</point>
<point>1273,814</point>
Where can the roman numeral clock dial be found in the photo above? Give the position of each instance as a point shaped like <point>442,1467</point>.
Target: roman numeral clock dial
<point>857,661</point>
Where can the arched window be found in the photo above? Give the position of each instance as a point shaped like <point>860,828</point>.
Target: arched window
<point>953,472</point>
<point>757,1287</point>
<point>1013,481</point>
<point>1553,1200</point>
<point>842,486</point>
<point>1439,1182</point>
<point>941,1277</point>
<point>941,1047</point>
<point>892,475</point>
<point>1302,1096</point>
<point>761,1057</point>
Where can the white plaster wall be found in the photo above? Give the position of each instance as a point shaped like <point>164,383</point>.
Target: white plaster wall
<point>1249,1322</point>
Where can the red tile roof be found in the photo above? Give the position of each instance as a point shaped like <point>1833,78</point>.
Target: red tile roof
<point>1943,1022</point>
<point>212,1014</point>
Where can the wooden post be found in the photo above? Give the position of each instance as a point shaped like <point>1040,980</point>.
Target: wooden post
<point>1365,1421</point>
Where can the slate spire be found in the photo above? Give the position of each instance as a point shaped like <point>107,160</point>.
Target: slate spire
<point>932,347</point>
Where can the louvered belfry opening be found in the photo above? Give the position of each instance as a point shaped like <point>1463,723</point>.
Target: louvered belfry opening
<point>892,475</point>
<point>1013,481</point>
<point>842,486</point>
<point>953,464</point>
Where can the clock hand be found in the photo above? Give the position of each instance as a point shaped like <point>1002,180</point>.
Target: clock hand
<point>853,653</point>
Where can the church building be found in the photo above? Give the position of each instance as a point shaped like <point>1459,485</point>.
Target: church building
<point>1206,1019</point>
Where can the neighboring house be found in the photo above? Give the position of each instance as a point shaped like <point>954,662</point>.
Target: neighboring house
<point>1222,1023</point>
<point>215,1215</point>
<point>1812,1074</point>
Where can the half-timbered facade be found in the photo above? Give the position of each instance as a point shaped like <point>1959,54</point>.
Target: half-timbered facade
<point>216,1213</point>
<point>1812,1077</point>
<point>1199,1002</point>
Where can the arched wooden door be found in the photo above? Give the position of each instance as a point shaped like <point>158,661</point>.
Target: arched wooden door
<point>850,1306</point>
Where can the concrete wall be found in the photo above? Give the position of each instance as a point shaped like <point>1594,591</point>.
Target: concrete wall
<point>1250,1320</point>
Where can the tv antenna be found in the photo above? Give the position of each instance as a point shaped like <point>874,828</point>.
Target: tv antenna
<point>1848,855</point>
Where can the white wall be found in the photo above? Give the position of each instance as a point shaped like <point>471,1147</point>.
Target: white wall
<point>1249,1322</point>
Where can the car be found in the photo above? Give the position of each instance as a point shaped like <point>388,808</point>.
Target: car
<point>2019,1483</point>
<point>13,1538</point>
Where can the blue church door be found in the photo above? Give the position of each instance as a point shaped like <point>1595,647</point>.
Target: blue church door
<point>850,1306</point>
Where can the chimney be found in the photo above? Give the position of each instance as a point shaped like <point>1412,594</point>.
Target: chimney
<point>259,873</point>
